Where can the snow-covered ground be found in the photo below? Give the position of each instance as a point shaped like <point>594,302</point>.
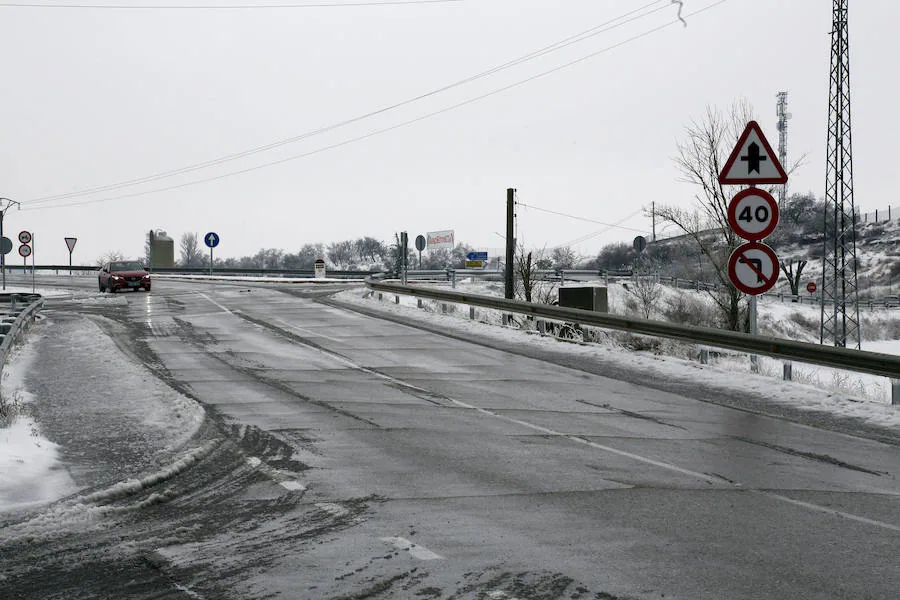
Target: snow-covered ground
<point>813,387</point>
<point>30,471</point>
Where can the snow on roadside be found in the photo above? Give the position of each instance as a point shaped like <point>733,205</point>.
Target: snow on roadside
<point>30,472</point>
<point>719,376</point>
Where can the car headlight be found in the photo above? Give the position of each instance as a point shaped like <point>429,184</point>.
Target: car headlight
<point>115,277</point>
<point>146,278</point>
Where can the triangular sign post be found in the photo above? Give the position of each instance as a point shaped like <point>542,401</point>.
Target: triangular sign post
<point>752,161</point>
<point>70,242</point>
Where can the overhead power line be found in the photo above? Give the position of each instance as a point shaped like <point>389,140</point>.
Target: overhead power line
<point>585,219</point>
<point>386,129</point>
<point>220,6</point>
<point>589,33</point>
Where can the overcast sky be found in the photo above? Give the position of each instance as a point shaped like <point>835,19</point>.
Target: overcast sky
<point>94,97</point>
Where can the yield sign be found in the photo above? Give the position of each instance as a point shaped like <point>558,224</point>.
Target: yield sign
<point>752,160</point>
<point>70,242</point>
<point>753,268</point>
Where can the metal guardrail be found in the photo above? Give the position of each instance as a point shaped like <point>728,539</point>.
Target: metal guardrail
<point>875,363</point>
<point>22,313</point>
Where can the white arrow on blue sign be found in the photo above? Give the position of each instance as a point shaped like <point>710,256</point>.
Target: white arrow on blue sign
<point>211,239</point>
<point>477,256</point>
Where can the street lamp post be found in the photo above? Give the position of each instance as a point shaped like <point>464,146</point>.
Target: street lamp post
<point>5,204</point>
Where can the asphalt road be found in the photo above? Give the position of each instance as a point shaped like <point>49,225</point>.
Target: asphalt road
<point>345,456</point>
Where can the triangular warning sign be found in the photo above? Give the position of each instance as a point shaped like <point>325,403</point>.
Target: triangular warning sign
<point>752,160</point>
<point>70,242</point>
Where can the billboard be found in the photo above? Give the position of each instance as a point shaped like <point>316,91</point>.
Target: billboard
<point>439,239</point>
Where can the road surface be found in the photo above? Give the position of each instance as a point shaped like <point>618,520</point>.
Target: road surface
<point>345,456</point>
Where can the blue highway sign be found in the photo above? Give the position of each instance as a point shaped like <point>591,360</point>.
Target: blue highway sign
<point>483,256</point>
<point>211,239</point>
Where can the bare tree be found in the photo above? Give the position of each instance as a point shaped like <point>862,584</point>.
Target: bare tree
<point>191,255</point>
<point>341,254</point>
<point>109,257</point>
<point>563,257</point>
<point>787,267</point>
<point>525,268</point>
<point>645,287</point>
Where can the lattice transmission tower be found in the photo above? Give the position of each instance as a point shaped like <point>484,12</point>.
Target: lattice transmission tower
<point>783,116</point>
<point>840,298</point>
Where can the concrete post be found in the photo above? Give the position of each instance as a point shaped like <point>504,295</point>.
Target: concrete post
<point>418,302</point>
<point>787,370</point>
<point>472,312</point>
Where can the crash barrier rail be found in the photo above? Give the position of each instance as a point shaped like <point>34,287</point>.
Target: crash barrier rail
<point>20,312</point>
<point>618,275</point>
<point>861,361</point>
<point>90,269</point>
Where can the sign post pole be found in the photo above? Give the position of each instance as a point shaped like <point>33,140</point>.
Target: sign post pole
<point>212,240</point>
<point>753,215</point>
<point>70,244</point>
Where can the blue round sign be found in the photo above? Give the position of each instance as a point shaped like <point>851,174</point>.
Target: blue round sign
<point>211,239</point>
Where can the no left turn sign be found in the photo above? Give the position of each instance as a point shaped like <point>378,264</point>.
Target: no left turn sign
<point>753,268</point>
<point>753,214</point>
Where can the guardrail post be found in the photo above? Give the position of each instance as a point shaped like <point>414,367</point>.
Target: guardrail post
<point>895,391</point>
<point>12,303</point>
<point>418,303</point>
<point>453,278</point>
<point>675,283</point>
<point>704,356</point>
<point>396,299</point>
<point>472,312</point>
<point>787,370</point>
<point>380,296</point>
<point>443,308</point>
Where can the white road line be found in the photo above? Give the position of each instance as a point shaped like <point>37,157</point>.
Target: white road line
<point>416,551</point>
<point>650,461</point>
<point>827,511</point>
<point>214,302</point>
<point>307,331</point>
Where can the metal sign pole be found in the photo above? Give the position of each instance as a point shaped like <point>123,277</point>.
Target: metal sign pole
<point>210,260</point>
<point>32,263</point>
<point>754,359</point>
<point>2,254</point>
<point>70,263</point>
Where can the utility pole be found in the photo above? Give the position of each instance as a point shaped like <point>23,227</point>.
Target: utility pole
<point>783,116</point>
<point>510,243</point>
<point>5,204</point>
<point>653,216</point>
<point>840,298</point>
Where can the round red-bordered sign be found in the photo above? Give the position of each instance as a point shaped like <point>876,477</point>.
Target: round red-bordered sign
<point>753,268</point>
<point>24,251</point>
<point>811,287</point>
<point>753,214</point>
<point>25,237</point>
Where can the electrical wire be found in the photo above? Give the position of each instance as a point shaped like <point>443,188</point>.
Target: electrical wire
<point>392,127</point>
<point>601,28</point>
<point>576,217</point>
<point>219,6</point>
<point>589,236</point>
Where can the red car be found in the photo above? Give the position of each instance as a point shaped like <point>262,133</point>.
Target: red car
<point>123,275</point>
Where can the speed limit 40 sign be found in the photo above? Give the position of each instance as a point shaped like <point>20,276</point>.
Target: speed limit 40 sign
<point>753,214</point>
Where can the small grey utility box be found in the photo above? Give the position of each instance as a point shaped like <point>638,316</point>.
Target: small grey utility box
<point>586,298</point>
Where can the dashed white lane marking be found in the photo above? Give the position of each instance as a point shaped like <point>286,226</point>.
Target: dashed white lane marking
<point>214,302</point>
<point>307,331</point>
<point>581,440</point>
<point>331,508</point>
<point>416,551</point>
